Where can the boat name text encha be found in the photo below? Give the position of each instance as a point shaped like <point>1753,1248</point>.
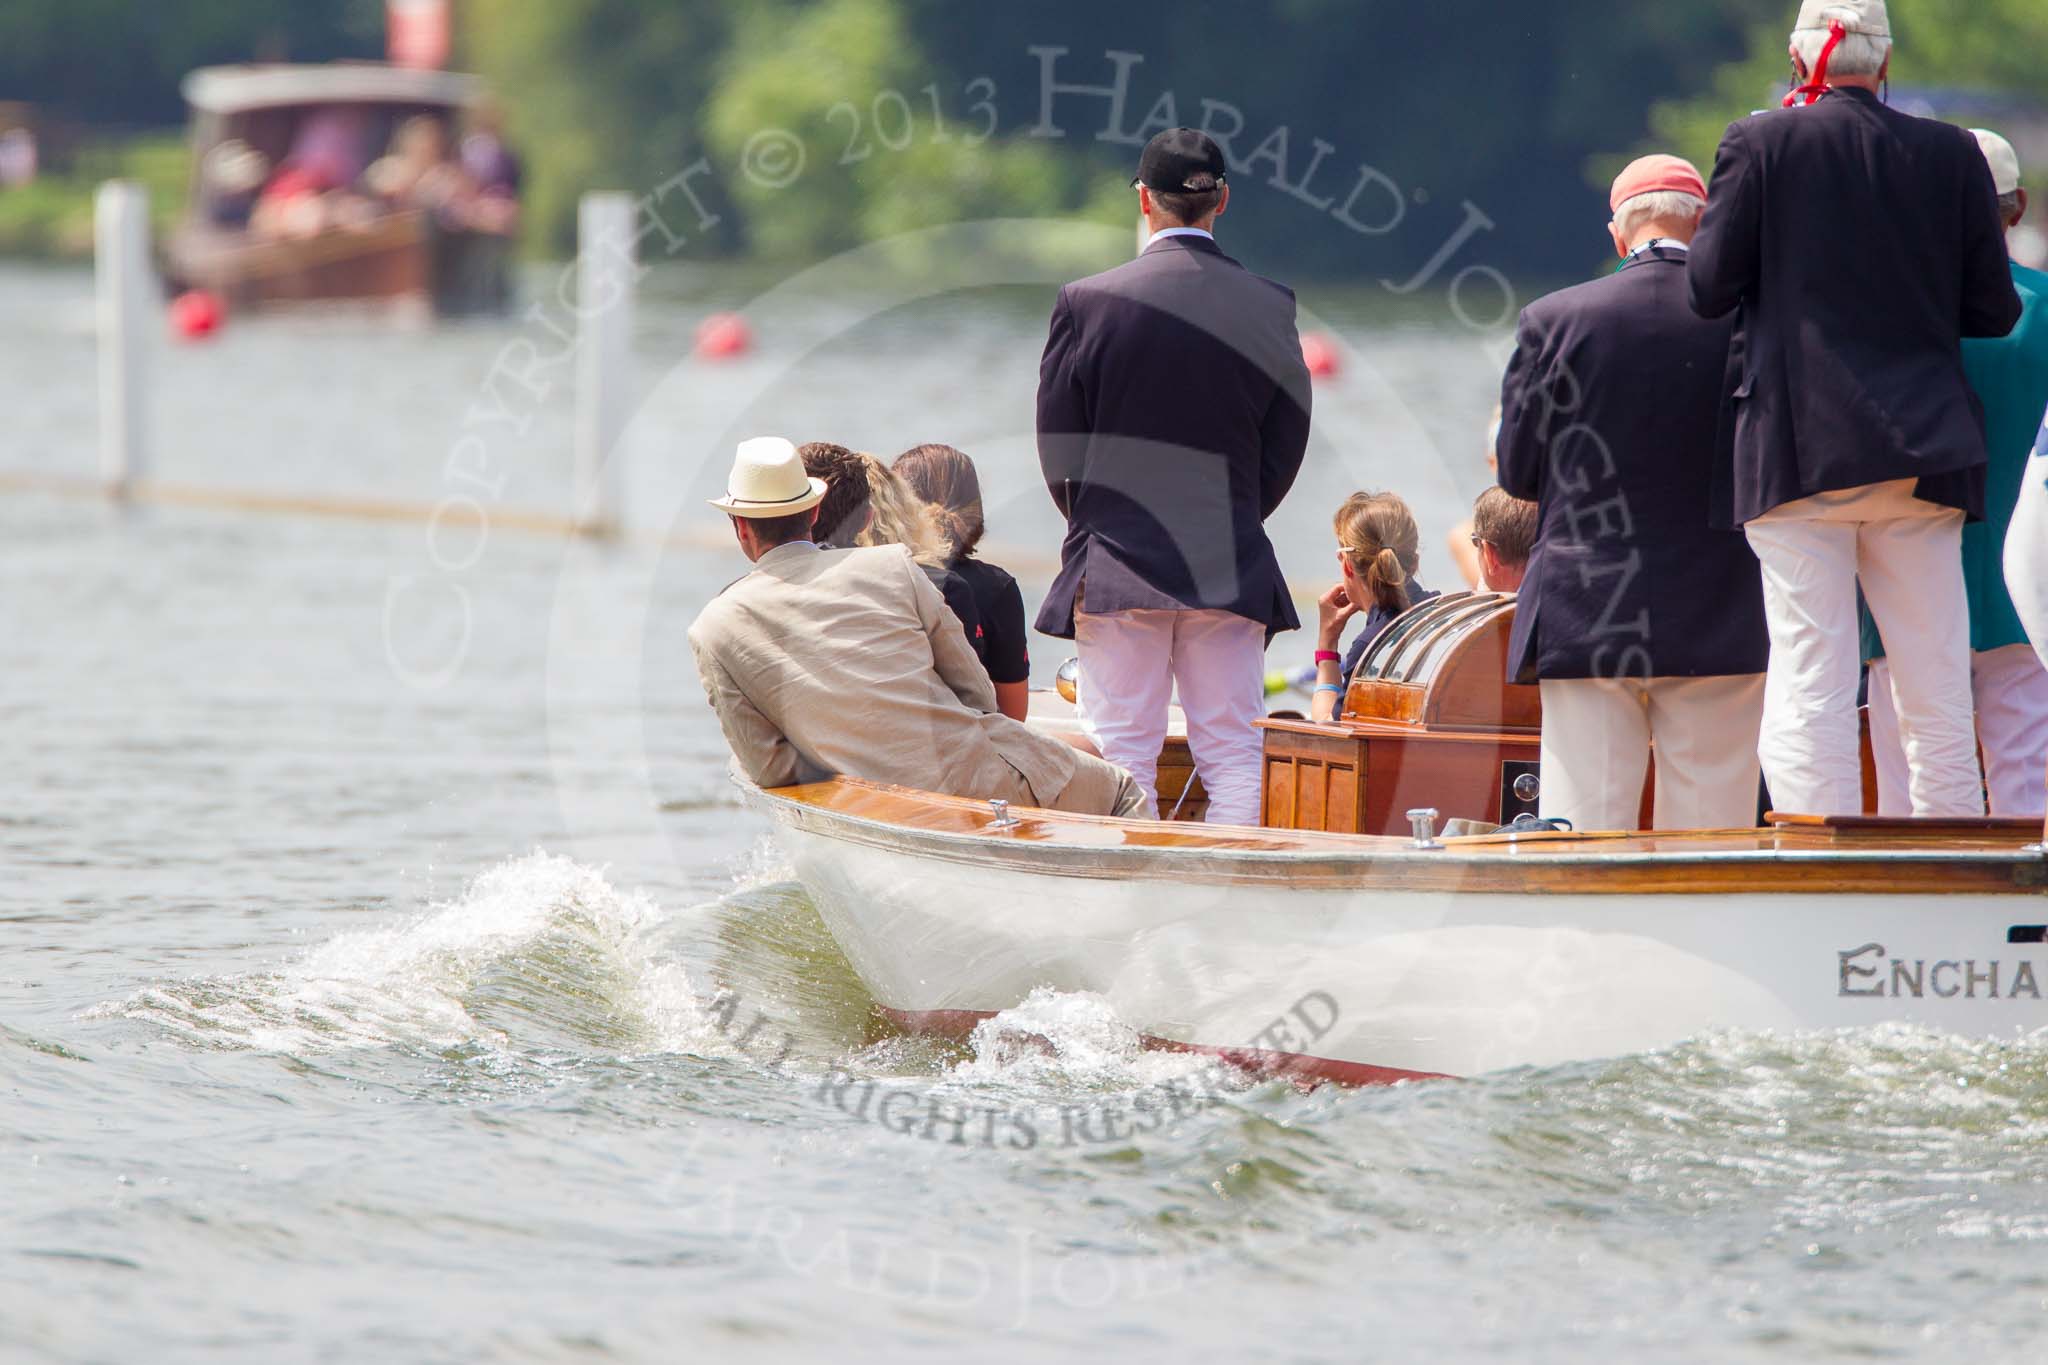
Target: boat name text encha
<point>1945,977</point>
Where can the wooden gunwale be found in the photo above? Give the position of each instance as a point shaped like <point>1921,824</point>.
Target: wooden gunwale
<point>1821,860</point>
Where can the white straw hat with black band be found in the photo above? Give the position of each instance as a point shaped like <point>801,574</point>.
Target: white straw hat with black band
<point>768,480</point>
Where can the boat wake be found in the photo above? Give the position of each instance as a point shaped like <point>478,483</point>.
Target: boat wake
<point>1071,1039</point>
<point>538,951</point>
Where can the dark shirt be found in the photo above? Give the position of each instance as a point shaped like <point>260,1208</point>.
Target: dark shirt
<point>1857,246</point>
<point>1377,619</point>
<point>1000,637</point>
<point>959,596</point>
<point>1173,415</point>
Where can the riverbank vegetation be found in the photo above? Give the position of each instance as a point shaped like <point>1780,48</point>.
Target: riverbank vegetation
<point>51,216</point>
<point>1370,134</point>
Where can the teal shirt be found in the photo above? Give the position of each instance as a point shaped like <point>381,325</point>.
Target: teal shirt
<point>2010,377</point>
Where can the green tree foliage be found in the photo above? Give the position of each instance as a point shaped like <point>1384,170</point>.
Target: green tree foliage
<point>598,94</point>
<point>1517,110</point>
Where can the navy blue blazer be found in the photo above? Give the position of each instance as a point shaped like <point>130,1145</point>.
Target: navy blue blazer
<point>1608,423</point>
<point>1173,416</point>
<point>1860,246</point>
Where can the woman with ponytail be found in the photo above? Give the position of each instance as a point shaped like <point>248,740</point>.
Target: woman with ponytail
<point>1377,558</point>
<point>866,505</point>
<point>945,479</point>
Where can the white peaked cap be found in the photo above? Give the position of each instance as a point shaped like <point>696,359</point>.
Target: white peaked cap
<point>2005,162</point>
<point>768,480</point>
<point>1857,16</point>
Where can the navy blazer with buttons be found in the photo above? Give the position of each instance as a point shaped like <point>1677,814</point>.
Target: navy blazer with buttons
<point>1173,416</point>
<point>1608,420</point>
<point>1860,246</point>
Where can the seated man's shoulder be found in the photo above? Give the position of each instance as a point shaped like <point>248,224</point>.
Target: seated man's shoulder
<point>716,614</point>
<point>729,601</point>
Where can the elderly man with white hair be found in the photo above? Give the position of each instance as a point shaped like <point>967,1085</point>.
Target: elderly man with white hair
<point>2009,375</point>
<point>1642,623</point>
<point>1860,245</point>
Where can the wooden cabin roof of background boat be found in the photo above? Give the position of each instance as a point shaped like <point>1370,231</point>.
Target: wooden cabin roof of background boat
<point>239,89</point>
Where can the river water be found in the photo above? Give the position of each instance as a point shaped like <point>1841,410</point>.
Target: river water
<point>388,972</point>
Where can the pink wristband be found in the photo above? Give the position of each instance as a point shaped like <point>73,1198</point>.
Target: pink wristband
<point>1327,656</point>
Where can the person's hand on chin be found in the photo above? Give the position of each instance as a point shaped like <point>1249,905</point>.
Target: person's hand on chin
<point>1333,610</point>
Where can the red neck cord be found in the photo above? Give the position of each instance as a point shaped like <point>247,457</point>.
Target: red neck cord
<point>1818,85</point>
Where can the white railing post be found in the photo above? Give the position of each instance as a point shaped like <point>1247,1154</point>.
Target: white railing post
<point>121,273</point>
<point>605,274</point>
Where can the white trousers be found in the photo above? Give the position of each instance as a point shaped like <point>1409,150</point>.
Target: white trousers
<point>1131,663</point>
<point>1597,734</point>
<point>2010,688</point>
<point>1911,568</point>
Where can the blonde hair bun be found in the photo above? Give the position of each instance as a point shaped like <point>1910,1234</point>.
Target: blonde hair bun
<point>1379,536</point>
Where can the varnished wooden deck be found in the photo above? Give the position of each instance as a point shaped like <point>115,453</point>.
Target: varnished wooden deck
<point>1799,854</point>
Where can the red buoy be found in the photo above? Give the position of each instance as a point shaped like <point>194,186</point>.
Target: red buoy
<point>723,335</point>
<point>1319,353</point>
<point>196,313</point>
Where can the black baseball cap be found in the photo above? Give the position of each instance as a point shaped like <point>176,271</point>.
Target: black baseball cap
<point>1175,157</point>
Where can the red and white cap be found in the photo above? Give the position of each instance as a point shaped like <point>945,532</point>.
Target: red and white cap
<point>1651,174</point>
<point>1855,16</point>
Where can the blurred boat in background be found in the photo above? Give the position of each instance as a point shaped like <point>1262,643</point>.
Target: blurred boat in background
<point>342,182</point>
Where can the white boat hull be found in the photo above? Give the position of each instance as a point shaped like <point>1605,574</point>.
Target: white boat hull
<point>1404,981</point>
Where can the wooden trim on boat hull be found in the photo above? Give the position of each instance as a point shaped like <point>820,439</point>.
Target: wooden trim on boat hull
<point>1260,1062</point>
<point>1796,860</point>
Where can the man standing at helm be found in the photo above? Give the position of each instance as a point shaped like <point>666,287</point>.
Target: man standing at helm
<point>1860,246</point>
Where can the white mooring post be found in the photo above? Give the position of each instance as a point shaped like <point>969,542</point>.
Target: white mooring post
<point>604,357</point>
<point>122,280</point>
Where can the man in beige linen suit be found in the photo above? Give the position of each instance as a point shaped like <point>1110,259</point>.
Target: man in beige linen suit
<point>847,661</point>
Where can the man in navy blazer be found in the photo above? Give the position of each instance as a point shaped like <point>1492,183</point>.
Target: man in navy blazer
<point>1857,247</point>
<point>1640,622</point>
<point>1173,416</point>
